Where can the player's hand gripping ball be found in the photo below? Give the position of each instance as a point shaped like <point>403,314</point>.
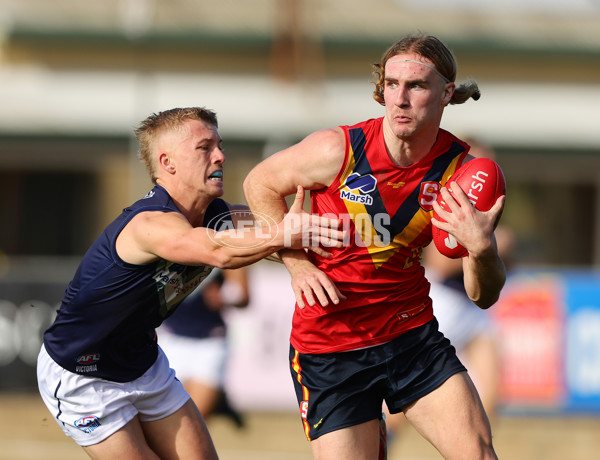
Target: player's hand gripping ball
<point>483,182</point>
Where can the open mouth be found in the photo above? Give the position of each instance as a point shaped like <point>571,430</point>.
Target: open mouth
<point>217,176</point>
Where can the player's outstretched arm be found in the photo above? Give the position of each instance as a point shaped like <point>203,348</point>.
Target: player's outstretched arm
<point>168,235</point>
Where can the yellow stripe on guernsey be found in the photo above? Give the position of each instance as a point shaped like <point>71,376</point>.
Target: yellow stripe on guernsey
<point>452,167</point>
<point>363,221</point>
<point>422,218</point>
<point>367,229</point>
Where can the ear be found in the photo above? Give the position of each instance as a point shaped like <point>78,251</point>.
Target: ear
<point>165,163</point>
<point>448,93</point>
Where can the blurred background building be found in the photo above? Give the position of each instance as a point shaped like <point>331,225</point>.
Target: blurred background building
<point>76,77</point>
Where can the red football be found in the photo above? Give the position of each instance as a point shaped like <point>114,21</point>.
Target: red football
<point>483,182</point>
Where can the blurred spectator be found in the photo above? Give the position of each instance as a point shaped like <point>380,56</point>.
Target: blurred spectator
<point>195,340</point>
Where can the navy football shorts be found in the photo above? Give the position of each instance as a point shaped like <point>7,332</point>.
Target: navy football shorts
<point>338,390</point>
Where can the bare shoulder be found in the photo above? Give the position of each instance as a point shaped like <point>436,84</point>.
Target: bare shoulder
<point>321,156</point>
<point>149,219</point>
<point>329,139</point>
<point>314,162</point>
<point>140,239</point>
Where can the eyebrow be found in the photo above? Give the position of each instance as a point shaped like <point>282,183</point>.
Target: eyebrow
<point>411,81</point>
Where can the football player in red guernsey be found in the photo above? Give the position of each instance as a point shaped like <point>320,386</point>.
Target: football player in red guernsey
<point>363,329</point>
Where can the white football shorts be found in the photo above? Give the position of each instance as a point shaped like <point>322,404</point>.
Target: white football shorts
<point>203,360</point>
<point>90,409</point>
<point>460,320</point>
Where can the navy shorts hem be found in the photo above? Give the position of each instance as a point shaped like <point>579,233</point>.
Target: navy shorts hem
<point>343,389</point>
<point>396,408</point>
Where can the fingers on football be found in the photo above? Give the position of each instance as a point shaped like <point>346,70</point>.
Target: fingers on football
<point>455,197</point>
<point>498,205</point>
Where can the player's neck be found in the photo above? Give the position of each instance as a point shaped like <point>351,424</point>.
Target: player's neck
<point>408,144</point>
<point>409,150</point>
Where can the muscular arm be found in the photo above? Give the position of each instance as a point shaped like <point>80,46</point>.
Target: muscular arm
<point>484,275</point>
<point>168,235</point>
<point>313,163</point>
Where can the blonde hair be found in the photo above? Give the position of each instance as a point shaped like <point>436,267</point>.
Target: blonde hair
<point>157,123</point>
<point>433,49</point>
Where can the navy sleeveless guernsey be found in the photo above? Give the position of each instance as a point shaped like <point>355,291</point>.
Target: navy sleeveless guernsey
<point>105,326</point>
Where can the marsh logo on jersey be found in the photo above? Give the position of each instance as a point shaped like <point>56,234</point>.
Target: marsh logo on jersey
<point>359,187</point>
<point>88,423</point>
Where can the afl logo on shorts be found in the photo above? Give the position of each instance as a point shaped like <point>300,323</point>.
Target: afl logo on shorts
<point>88,423</point>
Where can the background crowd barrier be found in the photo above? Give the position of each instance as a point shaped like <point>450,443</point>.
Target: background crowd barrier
<point>548,324</point>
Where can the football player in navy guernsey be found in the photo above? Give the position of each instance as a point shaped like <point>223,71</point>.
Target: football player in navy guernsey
<point>100,371</point>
